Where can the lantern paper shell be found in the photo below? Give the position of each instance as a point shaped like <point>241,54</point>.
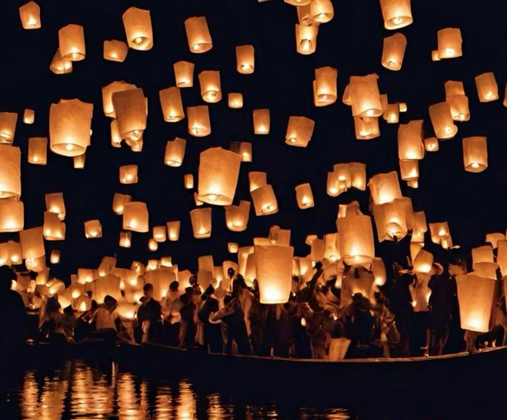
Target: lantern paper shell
<point>79,161</point>
<point>188,181</point>
<point>198,35</point>
<point>245,59</point>
<point>11,216</point>
<point>304,14</point>
<point>379,271</point>
<point>55,256</point>
<point>56,204</point>
<point>72,42</point>
<point>152,245</point>
<point>29,116</point>
<point>119,202</point>
<point>475,296</point>
<point>29,14</point>
<point>460,110</point>
<point>136,217</point>
<point>211,90</point>
<point>236,217</point>
<point>175,152</point>
<point>93,229</point>
<point>391,220</point>
<point>365,96</point>
<point>482,254</point>
<point>409,170</point>
<point>304,196</point>
<point>306,39</point>
<point>172,105</point>
<point>358,175</point>
<point>264,201</point>
<point>257,180</point>
<point>115,51</point>
<point>423,262</point>
<point>442,121</point>
<point>199,124</point>
<point>494,238</point>
<point>173,230</point>
<point>273,264</point>
<point>449,43</point>
<point>37,150</point>
<point>70,127</point>
<point>131,110</point>
<point>397,13</point>
<point>32,243</point>
<point>384,188</point>
<point>8,122</point>
<point>54,229</point>
<point>107,96</point>
<point>10,171</point>
<point>325,86</point>
<point>243,149</point>
<point>475,154</point>
<point>431,144</point>
<point>218,176</point>
<point>299,131</point>
<point>322,11</point>
<point>392,114</point>
<point>138,29</point>
<point>502,257</point>
<point>440,233</point>
<point>115,134</point>
<point>487,88</point>
<point>160,233</point>
<point>60,65</point>
<point>332,251</point>
<point>318,250</point>
<point>184,74</point>
<point>235,100</point>
<point>125,239</point>
<point>410,140</point>
<point>128,174</point>
<point>201,222</point>
<point>394,51</point>
<point>261,121</point>
<point>366,128</point>
<point>356,239</point>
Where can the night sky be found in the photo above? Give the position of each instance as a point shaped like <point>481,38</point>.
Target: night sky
<point>473,204</point>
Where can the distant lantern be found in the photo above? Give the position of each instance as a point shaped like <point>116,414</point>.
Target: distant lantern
<point>431,144</point>
<point>198,35</point>
<point>199,124</point>
<point>115,134</point>
<point>107,96</point>
<point>115,51</point>
<point>410,140</point>
<point>365,96</point>
<point>304,196</point>
<point>392,114</point>
<point>394,51</point>
<point>434,55</point>
<point>264,200</point>
<point>442,121</point>
<point>325,86</point>
<point>423,262</point>
<point>131,111</point>
<point>184,74</point>
<point>119,202</point>
<point>304,13</point>
<point>358,175</point>
<point>55,256</point>
<point>70,127</point>
<point>29,116</point>
<point>261,121</point>
<point>211,90</point>
<point>356,239</point>
<point>175,152</point>
<point>318,250</point>
<point>449,43</point>
<point>38,150</point>
<point>257,180</point>
<point>391,221</point>
<point>306,39</point>
<point>93,229</point>
<point>72,42</point>
<point>152,245</point>
<point>235,100</point>
<point>379,271</point>
<point>460,110</point>
<point>32,243</point>
<point>29,14</point>
<point>482,254</point>
<point>125,239</point>
<point>138,29</point>
<point>487,88</point>
<point>232,248</point>
<point>243,149</point>
<point>10,172</point>
<point>136,217</point>
<point>322,11</point>
<point>245,59</point>
<point>79,161</point>
<point>440,234</point>
<point>201,222</point>
<point>60,65</point>
<point>56,204</point>
<point>173,230</point>
<point>397,13</point>
<point>299,131</point>
<point>188,181</point>
<point>128,174</point>
<point>332,251</point>
<point>12,217</point>
<point>494,238</point>
<point>160,233</point>
<point>236,217</point>
<point>8,122</point>
<point>273,264</point>
<point>384,188</point>
<point>54,229</point>
<point>475,296</point>
<point>409,170</point>
<point>475,154</point>
<point>172,105</point>
<point>366,128</point>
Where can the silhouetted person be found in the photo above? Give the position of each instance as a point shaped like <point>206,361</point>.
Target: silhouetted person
<point>149,315</point>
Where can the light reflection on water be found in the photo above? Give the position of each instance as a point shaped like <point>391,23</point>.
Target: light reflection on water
<point>82,392</point>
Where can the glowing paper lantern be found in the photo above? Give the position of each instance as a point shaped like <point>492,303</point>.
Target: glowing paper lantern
<point>152,245</point>
<point>201,222</point>
<point>306,39</point>
<point>273,264</point>
<point>365,96</point>
<point>115,51</point>
<point>390,219</point>
<point>299,131</point>
<point>325,86</point>
<point>264,201</point>
<point>37,150</point>
<point>159,233</point>
<point>502,257</point>
<point>245,59</point>
<point>396,13</point>
<point>235,100</point>
<point>7,127</point>
<point>304,196</point>
<point>384,188</point>
<point>93,229</point>
<point>379,271</point>
<point>108,285</point>
<point>475,296</point>
<point>243,149</point>
<point>459,107</point>
<point>11,216</point>
<point>366,128</point>
<point>29,116</point>
<point>356,239</point>
<point>304,14</point>
<point>410,140</point>
<point>409,170</point>
<point>332,245</point>
<point>29,14</point>
<point>423,262</point>
<point>119,202</point>
<point>72,42</point>
<point>10,172</point>
<point>440,234</point>
<point>358,175</point>
<point>322,10</point>
<point>173,230</point>
<point>199,124</point>
<point>392,114</point>
<point>431,144</point>
<point>482,254</point>
<point>172,105</point>
<point>138,30</point>
<point>198,35</point>
<point>209,81</point>
<point>128,174</point>
<point>106,265</point>
<point>257,180</point>
<point>79,161</point>
<point>494,238</point>
<point>236,217</point>
<point>56,204</point>
<point>394,51</point>
<point>218,176</point>
<point>115,135</point>
<point>125,239</point>
<point>32,243</point>
<point>70,127</point>
<point>261,121</point>
<point>55,257</point>
<point>188,181</point>
<point>487,88</point>
<point>318,250</point>
<point>442,121</point>
<point>232,247</point>
<point>136,217</point>
<point>184,74</point>
<point>54,229</point>
<point>107,96</point>
<point>175,152</point>
<point>475,154</point>
<point>60,65</point>
<point>131,110</point>
<point>449,43</point>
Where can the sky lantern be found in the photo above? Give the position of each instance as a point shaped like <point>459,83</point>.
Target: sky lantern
<point>211,90</point>
<point>410,140</point>
<point>257,179</point>
<point>93,229</point>
<point>236,217</point>
<point>332,251</point>
<point>106,265</point>
<point>79,161</point>
<point>299,131</point>
<point>160,233</point>
<point>38,150</point>
<point>28,116</point>
<point>199,124</point>
<point>325,90</point>
<point>188,181</point>
<point>304,196</point>
<point>475,296</point>
<point>136,217</point>
<point>198,35</point>
<point>409,170</point>
<point>318,250</point>
<point>72,42</point>
<point>175,152</point>
<point>115,50</point>
<point>261,121</point>
<point>29,14</point>
<point>440,234</point>
<point>218,176</point>
<point>119,202</point>
<point>172,105</point>
<point>306,39</point>
<point>397,13</point>
<point>107,95</point>
<point>152,245</point>
<point>32,243</point>
<point>138,30</point>
<point>8,122</point>
<point>201,222</point>
<point>475,154</point>
<point>235,100</point>
<point>442,121</point>
<point>115,134</point>
<point>494,238</point>
<point>60,65</point>
<point>322,11</point>
<point>273,264</point>
<point>184,74</point>
<point>502,257</point>
<point>366,128</point>
<point>449,43</point>
<point>457,100</point>
<point>125,240</point>
<point>128,174</point>
<point>394,51</point>
<point>390,219</point>
<point>482,254</point>
<point>278,236</point>
<point>392,114</point>
<point>379,271</point>
<point>384,188</point>
<point>54,228</point>
<point>431,144</point>
<point>243,149</point>
<point>304,14</point>
<point>173,230</point>
<point>487,88</point>
<point>56,204</point>
<point>232,248</point>
<point>55,257</point>
<point>10,171</point>
<point>365,96</point>
<point>264,200</point>
<point>356,239</point>
<point>12,216</point>
<point>131,110</point>
<point>245,59</point>
<point>423,262</point>
<point>358,175</point>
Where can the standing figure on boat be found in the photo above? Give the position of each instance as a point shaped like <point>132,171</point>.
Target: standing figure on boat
<point>149,316</point>
<point>106,319</point>
<point>188,326</point>
<point>171,306</point>
<point>403,309</point>
<point>212,331</point>
<point>52,323</point>
<point>420,336</point>
<point>457,267</point>
<point>358,321</point>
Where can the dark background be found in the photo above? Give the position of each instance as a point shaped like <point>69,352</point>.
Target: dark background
<point>352,42</point>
